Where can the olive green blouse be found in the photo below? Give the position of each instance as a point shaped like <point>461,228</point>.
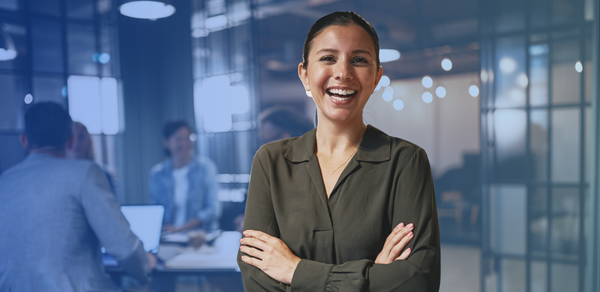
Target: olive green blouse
<point>388,181</point>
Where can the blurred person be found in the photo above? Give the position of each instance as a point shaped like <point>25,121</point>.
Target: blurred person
<point>344,207</point>
<point>280,122</point>
<point>56,213</point>
<point>82,148</point>
<point>184,184</point>
<point>277,123</point>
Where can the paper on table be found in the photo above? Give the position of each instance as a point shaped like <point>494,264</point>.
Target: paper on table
<point>222,256</point>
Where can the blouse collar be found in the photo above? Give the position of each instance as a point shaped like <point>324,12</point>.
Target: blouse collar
<point>374,147</point>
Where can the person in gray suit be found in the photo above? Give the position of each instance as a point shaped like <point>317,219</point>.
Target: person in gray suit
<point>56,214</point>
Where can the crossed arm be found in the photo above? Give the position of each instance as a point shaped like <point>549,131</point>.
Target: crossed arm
<point>272,256</point>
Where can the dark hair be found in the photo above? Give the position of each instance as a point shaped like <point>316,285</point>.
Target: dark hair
<point>47,124</point>
<point>341,19</point>
<point>287,120</point>
<point>171,127</point>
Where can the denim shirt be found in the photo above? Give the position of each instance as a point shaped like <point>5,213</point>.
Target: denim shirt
<point>202,200</point>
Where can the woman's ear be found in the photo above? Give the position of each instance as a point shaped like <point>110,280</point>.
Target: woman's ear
<point>379,74</point>
<point>303,75</point>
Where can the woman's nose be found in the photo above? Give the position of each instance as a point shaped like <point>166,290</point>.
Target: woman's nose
<point>343,71</point>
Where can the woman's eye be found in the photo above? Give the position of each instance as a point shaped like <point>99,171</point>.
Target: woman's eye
<point>327,59</point>
<point>360,60</point>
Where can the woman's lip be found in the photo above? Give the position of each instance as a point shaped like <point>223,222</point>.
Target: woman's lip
<point>341,102</point>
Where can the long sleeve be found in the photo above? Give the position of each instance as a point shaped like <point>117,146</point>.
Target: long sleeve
<point>414,198</point>
<point>259,216</point>
<point>110,226</point>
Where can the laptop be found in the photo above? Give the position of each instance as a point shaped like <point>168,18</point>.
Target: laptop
<point>145,221</point>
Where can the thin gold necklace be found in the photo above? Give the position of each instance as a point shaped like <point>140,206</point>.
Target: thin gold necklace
<point>331,172</point>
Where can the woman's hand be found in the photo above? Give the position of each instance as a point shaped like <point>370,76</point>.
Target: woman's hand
<point>395,243</point>
<point>269,254</point>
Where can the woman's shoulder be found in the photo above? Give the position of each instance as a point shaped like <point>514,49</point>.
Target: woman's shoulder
<point>399,147</point>
<point>276,148</point>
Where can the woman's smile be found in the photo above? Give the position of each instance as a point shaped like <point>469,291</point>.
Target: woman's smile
<point>341,95</point>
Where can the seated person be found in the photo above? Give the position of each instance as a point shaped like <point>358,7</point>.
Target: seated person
<point>56,213</point>
<point>185,185</point>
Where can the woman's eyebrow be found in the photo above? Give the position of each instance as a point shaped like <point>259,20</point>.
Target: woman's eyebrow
<point>361,52</point>
<point>358,51</point>
<point>327,51</point>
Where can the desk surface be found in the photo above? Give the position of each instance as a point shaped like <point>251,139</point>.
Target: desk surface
<point>220,257</point>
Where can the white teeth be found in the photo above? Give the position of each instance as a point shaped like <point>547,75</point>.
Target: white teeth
<point>339,98</point>
<point>342,91</point>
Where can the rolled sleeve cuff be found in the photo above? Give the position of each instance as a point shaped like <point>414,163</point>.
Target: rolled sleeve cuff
<point>311,276</point>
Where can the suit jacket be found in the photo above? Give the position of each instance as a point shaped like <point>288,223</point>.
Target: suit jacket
<point>55,214</point>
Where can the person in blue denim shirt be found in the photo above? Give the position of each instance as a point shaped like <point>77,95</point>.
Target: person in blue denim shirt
<point>184,184</point>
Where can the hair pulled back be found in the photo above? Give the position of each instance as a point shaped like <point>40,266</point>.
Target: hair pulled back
<point>342,19</point>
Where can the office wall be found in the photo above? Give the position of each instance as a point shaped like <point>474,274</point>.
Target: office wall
<point>447,128</point>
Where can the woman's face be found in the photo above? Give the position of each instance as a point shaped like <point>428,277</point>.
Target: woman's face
<point>342,72</point>
<point>179,144</point>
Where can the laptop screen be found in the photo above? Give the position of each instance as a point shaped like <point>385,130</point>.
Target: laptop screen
<point>145,221</point>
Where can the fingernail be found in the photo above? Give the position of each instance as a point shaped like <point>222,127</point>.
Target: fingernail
<point>245,232</point>
<point>408,249</point>
<point>400,226</point>
<point>243,258</point>
<point>409,226</point>
<point>410,235</point>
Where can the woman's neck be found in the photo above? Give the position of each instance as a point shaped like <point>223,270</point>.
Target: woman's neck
<point>337,138</point>
<point>179,162</point>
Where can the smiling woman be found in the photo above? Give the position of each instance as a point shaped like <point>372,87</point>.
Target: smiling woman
<point>344,207</point>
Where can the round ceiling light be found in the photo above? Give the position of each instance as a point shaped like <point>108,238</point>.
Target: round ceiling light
<point>147,9</point>
<point>387,55</point>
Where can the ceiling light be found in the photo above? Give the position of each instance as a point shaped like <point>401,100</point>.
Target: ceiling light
<point>388,94</point>
<point>427,82</point>
<point>578,67</point>
<point>474,90</point>
<point>387,55</point>
<point>7,47</point>
<point>384,81</point>
<point>440,92</point>
<point>446,64</point>
<point>427,97</point>
<point>508,65</point>
<point>147,9</point>
<point>215,22</point>
<point>398,104</point>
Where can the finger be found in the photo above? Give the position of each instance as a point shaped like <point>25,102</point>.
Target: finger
<point>252,252</point>
<point>259,234</point>
<point>404,255</point>
<point>401,245</point>
<point>252,261</point>
<point>254,242</point>
<point>397,236</point>
<point>400,241</point>
<point>388,241</point>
